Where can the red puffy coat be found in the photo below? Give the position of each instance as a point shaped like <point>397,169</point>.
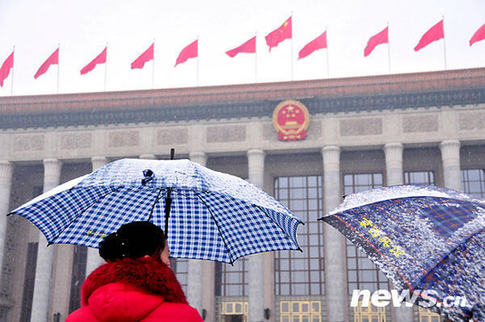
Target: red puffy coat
<point>142,289</point>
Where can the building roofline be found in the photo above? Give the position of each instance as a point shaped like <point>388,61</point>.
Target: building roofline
<point>214,95</point>
<point>356,94</point>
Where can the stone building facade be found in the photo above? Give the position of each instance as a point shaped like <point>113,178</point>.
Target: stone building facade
<point>363,132</point>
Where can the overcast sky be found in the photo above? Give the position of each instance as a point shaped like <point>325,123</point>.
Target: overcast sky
<point>82,28</point>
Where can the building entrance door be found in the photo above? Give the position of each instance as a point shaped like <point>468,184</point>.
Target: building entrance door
<point>234,318</point>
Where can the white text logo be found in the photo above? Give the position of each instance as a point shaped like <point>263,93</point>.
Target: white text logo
<point>382,298</point>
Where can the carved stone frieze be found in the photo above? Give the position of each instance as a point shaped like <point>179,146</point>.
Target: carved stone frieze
<point>420,123</point>
<point>227,133</point>
<point>28,142</point>
<point>123,138</point>
<point>471,121</point>
<point>169,136</point>
<point>357,127</point>
<point>76,141</point>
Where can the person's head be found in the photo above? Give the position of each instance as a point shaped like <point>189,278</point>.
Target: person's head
<point>134,240</point>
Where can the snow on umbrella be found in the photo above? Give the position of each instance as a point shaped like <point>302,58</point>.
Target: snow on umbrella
<point>426,239</point>
<point>206,214</point>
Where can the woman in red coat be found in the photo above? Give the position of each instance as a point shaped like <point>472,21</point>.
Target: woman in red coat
<point>136,283</point>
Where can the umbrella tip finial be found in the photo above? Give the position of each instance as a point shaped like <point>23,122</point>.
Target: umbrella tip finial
<point>148,176</point>
<point>172,153</point>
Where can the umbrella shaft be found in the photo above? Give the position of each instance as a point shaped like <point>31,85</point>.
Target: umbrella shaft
<point>168,205</point>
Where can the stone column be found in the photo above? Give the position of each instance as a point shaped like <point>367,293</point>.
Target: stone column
<point>450,154</point>
<point>255,262</point>
<point>93,259</point>
<point>394,171</point>
<point>6,170</point>
<point>195,271</point>
<point>45,255</point>
<point>394,174</point>
<point>336,298</point>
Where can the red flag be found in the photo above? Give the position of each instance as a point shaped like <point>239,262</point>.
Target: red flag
<point>478,35</point>
<point>318,43</point>
<point>52,60</point>
<point>279,34</point>
<point>434,33</point>
<point>100,59</point>
<point>143,58</point>
<point>380,38</point>
<point>5,69</point>
<point>191,51</point>
<point>248,47</point>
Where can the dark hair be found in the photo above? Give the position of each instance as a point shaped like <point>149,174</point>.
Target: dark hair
<point>133,240</point>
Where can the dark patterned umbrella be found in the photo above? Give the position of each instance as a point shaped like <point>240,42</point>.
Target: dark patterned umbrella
<point>426,239</point>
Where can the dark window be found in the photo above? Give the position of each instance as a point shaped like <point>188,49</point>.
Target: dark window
<point>29,282</point>
<point>302,273</point>
<point>78,276</point>
<point>356,182</point>
<point>231,280</point>
<point>419,177</point>
<point>361,272</point>
<point>234,318</point>
<point>30,267</point>
<point>473,182</point>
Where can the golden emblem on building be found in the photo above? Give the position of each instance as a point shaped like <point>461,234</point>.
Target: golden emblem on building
<point>291,119</point>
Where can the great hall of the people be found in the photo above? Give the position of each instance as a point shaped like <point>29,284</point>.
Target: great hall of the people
<point>350,134</point>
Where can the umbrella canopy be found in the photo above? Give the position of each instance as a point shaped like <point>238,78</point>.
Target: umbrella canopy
<point>211,215</point>
<point>426,239</point>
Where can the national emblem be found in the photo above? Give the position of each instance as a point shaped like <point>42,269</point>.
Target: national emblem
<point>291,119</point>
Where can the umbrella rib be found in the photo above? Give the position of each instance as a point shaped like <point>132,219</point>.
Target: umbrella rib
<point>217,225</point>
<point>277,225</point>
<point>81,213</point>
<point>153,205</point>
<point>468,237</point>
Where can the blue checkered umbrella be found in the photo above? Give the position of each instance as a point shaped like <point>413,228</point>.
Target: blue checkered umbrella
<point>210,215</point>
<point>426,239</point>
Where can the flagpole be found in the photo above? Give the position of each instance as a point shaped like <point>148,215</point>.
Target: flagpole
<point>198,60</point>
<point>256,58</point>
<point>13,68</point>
<point>106,67</point>
<point>153,66</point>
<point>292,41</point>
<point>58,64</point>
<point>328,64</point>
<point>444,41</point>
<point>388,49</point>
